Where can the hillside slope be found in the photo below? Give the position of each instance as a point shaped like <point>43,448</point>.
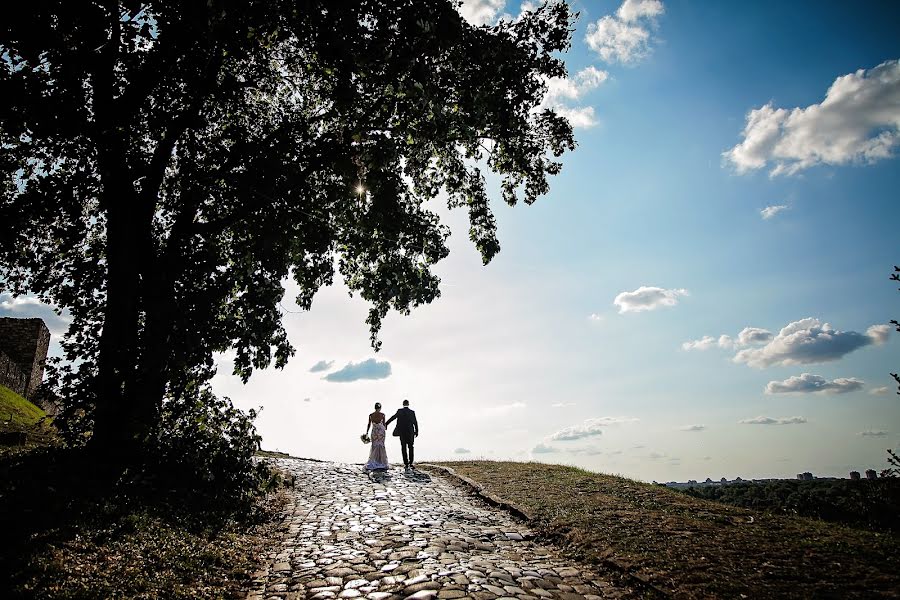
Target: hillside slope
<point>689,547</point>
<point>17,413</point>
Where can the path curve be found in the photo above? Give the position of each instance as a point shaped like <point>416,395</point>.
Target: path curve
<point>410,535</point>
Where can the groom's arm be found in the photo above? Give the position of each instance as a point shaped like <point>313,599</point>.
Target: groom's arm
<point>415,425</point>
<point>389,420</point>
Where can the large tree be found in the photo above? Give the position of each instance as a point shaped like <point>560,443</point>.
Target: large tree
<point>168,165</point>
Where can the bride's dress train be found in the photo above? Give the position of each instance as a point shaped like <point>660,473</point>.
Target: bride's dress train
<point>378,459</point>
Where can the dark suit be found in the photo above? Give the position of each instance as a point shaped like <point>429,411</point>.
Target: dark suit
<point>407,429</point>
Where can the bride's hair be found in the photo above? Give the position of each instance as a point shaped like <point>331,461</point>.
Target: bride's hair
<point>378,406</point>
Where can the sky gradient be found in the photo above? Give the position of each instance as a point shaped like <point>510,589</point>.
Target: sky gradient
<point>703,293</point>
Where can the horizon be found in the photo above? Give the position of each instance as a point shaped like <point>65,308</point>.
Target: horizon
<point>704,291</point>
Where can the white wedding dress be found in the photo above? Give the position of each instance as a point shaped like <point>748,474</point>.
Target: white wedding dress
<point>378,459</point>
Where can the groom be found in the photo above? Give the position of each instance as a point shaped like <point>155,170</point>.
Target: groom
<point>407,429</point>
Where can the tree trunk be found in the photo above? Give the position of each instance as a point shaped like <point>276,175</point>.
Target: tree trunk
<point>115,429</point>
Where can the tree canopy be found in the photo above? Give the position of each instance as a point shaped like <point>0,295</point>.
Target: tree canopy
<point>168,165</point>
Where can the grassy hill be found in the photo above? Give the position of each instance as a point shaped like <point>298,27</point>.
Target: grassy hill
<point>690,547</point>
<point>17,413</point>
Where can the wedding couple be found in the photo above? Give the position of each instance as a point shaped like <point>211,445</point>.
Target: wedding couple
<point>407,429</point>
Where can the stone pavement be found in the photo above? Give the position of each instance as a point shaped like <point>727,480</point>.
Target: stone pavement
<point>399,535</point>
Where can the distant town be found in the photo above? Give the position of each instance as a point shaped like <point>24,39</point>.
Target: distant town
<point>806,476</point>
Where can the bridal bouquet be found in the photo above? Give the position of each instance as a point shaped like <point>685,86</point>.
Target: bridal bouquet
<point>364,438</point>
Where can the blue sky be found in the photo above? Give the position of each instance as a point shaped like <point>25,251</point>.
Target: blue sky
<point>529,358</point>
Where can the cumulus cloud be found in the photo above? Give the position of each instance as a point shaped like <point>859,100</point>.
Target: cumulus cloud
<point>544,449</point>
<point>753,335</point>
<point>806,383</point>
<point>625,37</point>
<point>707,342</point>
<point>595,317</point>
<point>747,337</point>
<point>880,391</point>
<point>564,90</point>
<point>29,307</point>
<point>878,333</point>
<point>771,421</point>
<point>647,298</point>
<point>878,433</point>
<point>462,451</point>
<point>693,428</point>
<point>857,122</point>
<point>481,12</point>
<point>367,369</point>
<point>809,341</point>
<point>770,211</point>
<point>590,428</point>
<point>322,365</point>
<point>502,409</point>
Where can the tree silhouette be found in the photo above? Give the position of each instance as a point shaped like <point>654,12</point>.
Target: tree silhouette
<point>895,276</point>
<point>168,165</point>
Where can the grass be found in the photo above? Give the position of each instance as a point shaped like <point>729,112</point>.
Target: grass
<point>19,416</point>
<point>17,413</point>
<point>68,535</point>
<point>690,547</point>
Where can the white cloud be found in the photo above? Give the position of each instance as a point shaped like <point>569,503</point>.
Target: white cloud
<point>462,451</point>
<point>693,428</point>
<point>753,335</point>
<point>632,10</point>
<point>857,122</point>
<point>566,88</point>
<point>502,409</point>
<point>806,383</point>
<point>544,449</point>
<point>879,433</point>
<point>625,36</point>
<point>590,428</point>
<point>481,12</point>
<point>572,89</point>
<point>562,404</point>
<point>809,341</point>
<point>771,421</point>
<point>579,118</point>
<point>595,318</point>
<point>647,298</point>
<point>29,307</point>
<point>707,342</point>
<point>770,211</point>
<point>880,391</point>
<point>878,333</point>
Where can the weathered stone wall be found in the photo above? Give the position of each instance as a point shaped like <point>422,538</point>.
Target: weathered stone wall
<point>25,342</point>
<point>11,375</point>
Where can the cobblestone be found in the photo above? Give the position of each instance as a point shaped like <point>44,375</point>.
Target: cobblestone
<point>407,535</point>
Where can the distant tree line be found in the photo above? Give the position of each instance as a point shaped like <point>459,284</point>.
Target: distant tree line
<point>871,504</point>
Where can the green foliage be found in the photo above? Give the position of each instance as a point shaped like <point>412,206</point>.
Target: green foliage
<point>206,445</point>
<point>864,503</point>
<point>894,461</point>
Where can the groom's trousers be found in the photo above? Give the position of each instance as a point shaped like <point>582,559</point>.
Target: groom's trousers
<point>406,448</point>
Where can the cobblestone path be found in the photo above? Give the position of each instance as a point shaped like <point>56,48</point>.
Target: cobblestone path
<point>408,536</point>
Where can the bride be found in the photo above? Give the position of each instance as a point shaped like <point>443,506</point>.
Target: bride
<point>378,460</point>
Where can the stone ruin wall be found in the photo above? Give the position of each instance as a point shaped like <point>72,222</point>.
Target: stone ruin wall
<point>11,375</point>
<point>23,353</point>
